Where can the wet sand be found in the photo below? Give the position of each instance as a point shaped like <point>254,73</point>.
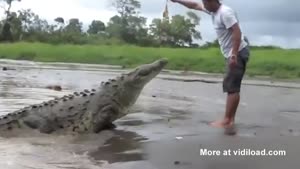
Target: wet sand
<point>167,127</point>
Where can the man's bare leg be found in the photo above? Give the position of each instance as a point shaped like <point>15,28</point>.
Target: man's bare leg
<point>232,103</point>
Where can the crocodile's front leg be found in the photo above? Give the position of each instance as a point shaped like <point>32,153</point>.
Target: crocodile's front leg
<point>109,126</point>
<point>105,117</point>
<point>39,123</point>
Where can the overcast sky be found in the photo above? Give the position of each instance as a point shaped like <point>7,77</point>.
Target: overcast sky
<point>265,22</point>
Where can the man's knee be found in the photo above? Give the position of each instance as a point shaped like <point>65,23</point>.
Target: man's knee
<point>233,92</point>
<point>232,84</point>
<point>230,91</point>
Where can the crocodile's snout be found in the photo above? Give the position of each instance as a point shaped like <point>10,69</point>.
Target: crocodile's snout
<point>160,64</point>
<point>163,62</point>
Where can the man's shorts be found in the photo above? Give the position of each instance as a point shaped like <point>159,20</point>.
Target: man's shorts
<point>233,77</point>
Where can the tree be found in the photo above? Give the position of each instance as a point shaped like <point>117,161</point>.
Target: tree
<point>126,7</point>
<point>7,3</point>
<point>74,26</point>
<point>30,26</point>
<point>15,26</point>
<point>6,34</point>
<point>178,31</point>
<point>72,33</point>
<point>27,18</point>
<point>114,27</point>
<point>59,20</point>
<point>96,27</point>
<point>39,29</point>
<point>160,32</point>
<point>59,26</point>
<point>194,17</point>
<point>195,22</point>
<point>133,31</point>
<point>129,26</point>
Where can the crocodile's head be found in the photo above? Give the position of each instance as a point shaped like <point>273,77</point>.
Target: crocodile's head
<point>134,81</point>
<point>140,76</point>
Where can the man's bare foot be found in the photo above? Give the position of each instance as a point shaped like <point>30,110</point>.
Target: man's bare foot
<point>222,123</point>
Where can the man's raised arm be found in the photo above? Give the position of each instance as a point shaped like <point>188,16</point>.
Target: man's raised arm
<point>190,4</point>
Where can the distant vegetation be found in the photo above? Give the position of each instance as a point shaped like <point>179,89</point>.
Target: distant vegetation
<point>127,40</point>
<point>128,27</point>
<point>277,63</point>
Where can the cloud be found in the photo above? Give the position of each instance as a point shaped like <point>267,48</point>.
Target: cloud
<point>86,11</point>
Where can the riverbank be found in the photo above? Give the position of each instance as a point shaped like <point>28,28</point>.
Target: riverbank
<point>274,62</point>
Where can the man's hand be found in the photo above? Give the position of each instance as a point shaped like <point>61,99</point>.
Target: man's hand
<point>233,61</point>
<point>236,41</point>
<point>190,4</point>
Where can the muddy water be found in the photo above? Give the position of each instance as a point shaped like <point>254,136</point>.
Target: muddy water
<point>169,110</point>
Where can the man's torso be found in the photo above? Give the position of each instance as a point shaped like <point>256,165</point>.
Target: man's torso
<point>221,19</point>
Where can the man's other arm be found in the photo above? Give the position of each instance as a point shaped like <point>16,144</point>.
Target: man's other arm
<point>231,23</point>
<point>236,38</point>
<point>190,4</point>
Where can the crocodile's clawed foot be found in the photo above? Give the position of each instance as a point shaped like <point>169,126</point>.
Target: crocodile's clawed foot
<point>109,126</point>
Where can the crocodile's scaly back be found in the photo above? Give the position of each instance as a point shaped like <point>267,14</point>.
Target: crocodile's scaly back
<point>86,111</point>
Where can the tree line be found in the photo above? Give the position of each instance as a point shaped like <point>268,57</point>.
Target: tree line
<point>128,26</point>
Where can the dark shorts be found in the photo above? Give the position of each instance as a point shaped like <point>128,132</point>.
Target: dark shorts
<point>233,77</point>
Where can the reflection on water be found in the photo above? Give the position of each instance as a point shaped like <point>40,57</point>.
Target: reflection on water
<point>92,151</point>
<point>39,152</point>
<point>122,147</point>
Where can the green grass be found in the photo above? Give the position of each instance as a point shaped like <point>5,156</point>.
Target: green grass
<point>273,62</point>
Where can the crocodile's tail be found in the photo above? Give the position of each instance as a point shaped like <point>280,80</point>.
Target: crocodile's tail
<point>16,119</point>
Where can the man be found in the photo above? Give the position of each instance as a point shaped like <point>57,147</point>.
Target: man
<point>234,48</point>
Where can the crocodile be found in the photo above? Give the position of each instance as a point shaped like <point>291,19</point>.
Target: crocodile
<point>86,111</point>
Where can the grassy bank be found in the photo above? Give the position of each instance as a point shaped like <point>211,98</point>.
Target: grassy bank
<point>271,62</point>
